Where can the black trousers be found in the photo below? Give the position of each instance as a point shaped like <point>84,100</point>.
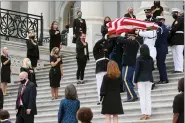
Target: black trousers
<point>81,68</point>
<point>22,117</point>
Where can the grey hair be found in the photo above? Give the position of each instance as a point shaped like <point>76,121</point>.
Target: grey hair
<point>71,92</point>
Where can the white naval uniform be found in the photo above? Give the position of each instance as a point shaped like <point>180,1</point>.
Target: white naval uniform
<point>150,37</point>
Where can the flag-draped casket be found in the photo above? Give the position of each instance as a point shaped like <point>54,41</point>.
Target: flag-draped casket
<point>121,25</point>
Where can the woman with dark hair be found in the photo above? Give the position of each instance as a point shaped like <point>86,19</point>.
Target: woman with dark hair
<point>4,116</point>
<point>84,115</point>
<point>110,93</point>
<point>104,29</point>
<point>32,49</point>
<point>178,104</point>
<point>157,9</point>
<point>143,79</point>
<point>69,106</point>
<point>55,37</point>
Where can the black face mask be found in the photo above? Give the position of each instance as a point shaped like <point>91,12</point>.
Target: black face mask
<point>148,16</point>
<point>23,81</point>
<point>174,16</point>
<point>105,22</point>
<point>159,23</point>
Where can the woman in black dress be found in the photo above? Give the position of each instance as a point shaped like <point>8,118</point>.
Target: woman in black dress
<point>110,93</point>
<point>104,29</point>
<point>56,72</point>
<point>32,49</point>
<point>28,68</point>
<point>55,37</point>
<point>5,70</point>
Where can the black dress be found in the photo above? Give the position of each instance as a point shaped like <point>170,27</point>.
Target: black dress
<point>55,39</point>
<point>31,76</point>
<point>55,73</point>
<point>110,94</point>
<point>32,52</point>
<point>5,70</point>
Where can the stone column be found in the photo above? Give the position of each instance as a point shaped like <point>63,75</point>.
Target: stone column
<point>148,4</point>
<point>92,12</point>
<point>6,5</point>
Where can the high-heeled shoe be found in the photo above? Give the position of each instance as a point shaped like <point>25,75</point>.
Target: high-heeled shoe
<point>143,117</point>
<point>147,117</point>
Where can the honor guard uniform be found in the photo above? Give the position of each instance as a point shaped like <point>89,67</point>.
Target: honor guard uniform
<point>176,40</point>
<point>161,45</point>
<point>101,55</point>
<point>130,50</point>
<point>148,13</point>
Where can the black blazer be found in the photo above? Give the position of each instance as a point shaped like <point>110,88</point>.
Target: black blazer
<point>77,25</point>
<point>144,68</point>
<point>104,30</point>
<point>28,98</point>
<point>1,99</point>
<point>80,53</point>
<point>32,49</point>
<point>55,39</point>
<point>128,15</point>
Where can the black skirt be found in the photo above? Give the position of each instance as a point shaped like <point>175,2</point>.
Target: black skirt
<point>33,61</point>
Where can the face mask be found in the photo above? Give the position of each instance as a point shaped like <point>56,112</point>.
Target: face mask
<point>148,16</point>
<point>106,22</point>
<point>159,23</point>
<point>79,16</point>
<point>174,16</point>
<point>29,63</point>
<point>23,81</point>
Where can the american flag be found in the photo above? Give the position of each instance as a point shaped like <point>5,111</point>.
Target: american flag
<point>121,25</point>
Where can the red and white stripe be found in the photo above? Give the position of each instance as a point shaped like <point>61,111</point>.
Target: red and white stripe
<point>112,26</point>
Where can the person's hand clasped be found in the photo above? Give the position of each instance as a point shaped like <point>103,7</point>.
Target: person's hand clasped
<point>157,9</point>
<point>58,59</point>
<point>28,111</point>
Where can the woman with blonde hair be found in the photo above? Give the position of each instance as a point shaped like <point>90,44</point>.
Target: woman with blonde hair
<point>32,49</point>
<point>5,70</point>
<point>27,67</point>
<point>110,93</point>
<point>56,72</point>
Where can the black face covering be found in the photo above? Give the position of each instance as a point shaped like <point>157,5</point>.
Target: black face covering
<point>174,16</point>
<point>157,3</point>
<point>148,16</point>
<point>105,22</point>
<point>159,23</point>
<point>23,81</point>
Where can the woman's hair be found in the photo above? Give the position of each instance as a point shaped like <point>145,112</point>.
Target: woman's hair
<point>145,52</point>
<point>53,24</point>
<point>84,114</point>
<point>181,85</point>
<point>53,51</point>
<point>25,61</point>
<point>4,114</point>
<point>106,18</point>
<point>113,70</point>
<point>31,34</point>
<point>71,92</point>
<point>78,12</point>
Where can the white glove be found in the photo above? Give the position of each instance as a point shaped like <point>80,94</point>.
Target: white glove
<point>106,36</point>
<point>123,34</point>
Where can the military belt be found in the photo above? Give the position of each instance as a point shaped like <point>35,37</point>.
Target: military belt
<point>179,32</point>
<point>101,59</point>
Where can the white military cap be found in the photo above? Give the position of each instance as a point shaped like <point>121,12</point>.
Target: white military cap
<point>160,18</point>
<point>176,10</point>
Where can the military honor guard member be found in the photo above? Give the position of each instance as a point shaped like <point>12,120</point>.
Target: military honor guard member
<point>176,40</point>
<point>131,47</point>
<point>101,55</point>
<point>161,45</point>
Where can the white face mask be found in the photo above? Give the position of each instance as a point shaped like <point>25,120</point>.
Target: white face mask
<point>29,63</point>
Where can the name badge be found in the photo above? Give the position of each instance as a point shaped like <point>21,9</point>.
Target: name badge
<point>85,52</point>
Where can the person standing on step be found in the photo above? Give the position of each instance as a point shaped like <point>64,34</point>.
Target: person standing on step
<point>101,55</point>
<point>161,45</point>
<point>55,37</point>
<point>32,49</point>
<point>143,79</point>
<point>104,29</point>
<point>56,72</point>
<point>178,104</point>
<point>110,93</point>
<point>131,47</point>
<point>130,13</point>
<point>176,40</point>
<point>82,55</point>
<point>27,67</point>
<point>79,27</point>
<point>26,100</point>
<point>69,106</point>
<point>6,70</point>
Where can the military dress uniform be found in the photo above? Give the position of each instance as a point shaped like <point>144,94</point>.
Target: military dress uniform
<point>101,55</point>
<point>176,40</point>
<point>161,45</point>
<point>130,50</point>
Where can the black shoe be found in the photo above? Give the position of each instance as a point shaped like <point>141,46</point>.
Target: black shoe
<point>79,82</point>
<point>98,103</point>
<point>162,82</point>
<point>153,86</point>
<point>177,72</point>
<point>132,100</point>
<point>82,81</point>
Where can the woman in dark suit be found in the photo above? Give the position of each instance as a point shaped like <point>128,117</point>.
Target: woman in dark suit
<point>79,27</point>
<point>82,56</point>
<point>32,49</point>
<point>55,37</point>
<point>28,68</point>
<point>110,93</point>
<point>104,29</point>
